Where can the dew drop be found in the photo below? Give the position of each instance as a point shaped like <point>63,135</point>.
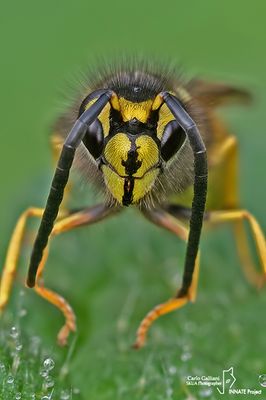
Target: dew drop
<point>76,391</point>
<point>10,379</point>
<point>18,396</point>
<point>19,347</point>
<point>14,332</point>
<point>142,382</point>
<point>48,364</point>
<point>22,313</point>
<point>185,356</point>
<point>169,392</point>
<point>64,395</point>
<point>49,382</point>
<point>2,367</point>
<point>172,370</point>
<point>44,373</point>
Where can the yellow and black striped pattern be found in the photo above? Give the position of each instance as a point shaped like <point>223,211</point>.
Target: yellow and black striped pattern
<point>131,162</point>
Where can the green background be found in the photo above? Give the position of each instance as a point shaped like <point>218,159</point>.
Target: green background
<point>44,46</point>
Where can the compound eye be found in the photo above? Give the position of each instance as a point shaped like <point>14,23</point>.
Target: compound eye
<point>93,139</point>
<point>172,139</point>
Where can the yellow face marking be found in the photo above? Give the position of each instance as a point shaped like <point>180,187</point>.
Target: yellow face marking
<point>115,102</point>
<point>116,151</point>
<point>115,184</point>
<point>148,154</point>
<point>143,185</point>
<point>130,110</point>
<point>135,160</point>
<point>103,117</point>
<point>165,116</point>
<point>157,102</point>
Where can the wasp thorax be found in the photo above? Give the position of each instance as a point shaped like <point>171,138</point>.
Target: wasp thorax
<point>131,165</point>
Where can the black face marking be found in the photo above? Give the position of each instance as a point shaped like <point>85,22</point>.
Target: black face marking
<point>139,82</point>
<point>115,121</point>
<point>128,191</point>
<point>153,119</point>
<point>136,94</point>
<point>133,126</point>
<point>132,164</point>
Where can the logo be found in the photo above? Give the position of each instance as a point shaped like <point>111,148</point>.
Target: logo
<point>228,379</point>
<point>262,380</point>
<point>226,384</point>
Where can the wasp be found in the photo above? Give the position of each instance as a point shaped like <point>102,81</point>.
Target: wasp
<point>149,140</point>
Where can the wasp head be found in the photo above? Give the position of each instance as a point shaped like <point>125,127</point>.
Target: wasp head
<point>131,144</point>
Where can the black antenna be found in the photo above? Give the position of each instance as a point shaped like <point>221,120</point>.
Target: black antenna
<point>200,186</point>
<point>60,180</point>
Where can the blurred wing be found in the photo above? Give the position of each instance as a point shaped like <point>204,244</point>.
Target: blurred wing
<point>221,144</point>
<point>215,94</point>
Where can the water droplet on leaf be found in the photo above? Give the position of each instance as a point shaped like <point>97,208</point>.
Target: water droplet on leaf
<point>48,364</point>
<point>172,370</point>
<point>64,395</point>
<point>185,356</point>
<point>10,379</point>
<point>14,332</point>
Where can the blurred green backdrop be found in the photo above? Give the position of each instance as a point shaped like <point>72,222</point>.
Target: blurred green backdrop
<point>43,46</point>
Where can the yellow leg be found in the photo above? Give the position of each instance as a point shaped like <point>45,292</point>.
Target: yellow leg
<point>84,217</point>
<point>58,301</point>
<point>223,195</point>
<point>223,176</point>
<point>9,272</point>
<point>237,217</point>
<point>172,224</point>
<point>13,252</point>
